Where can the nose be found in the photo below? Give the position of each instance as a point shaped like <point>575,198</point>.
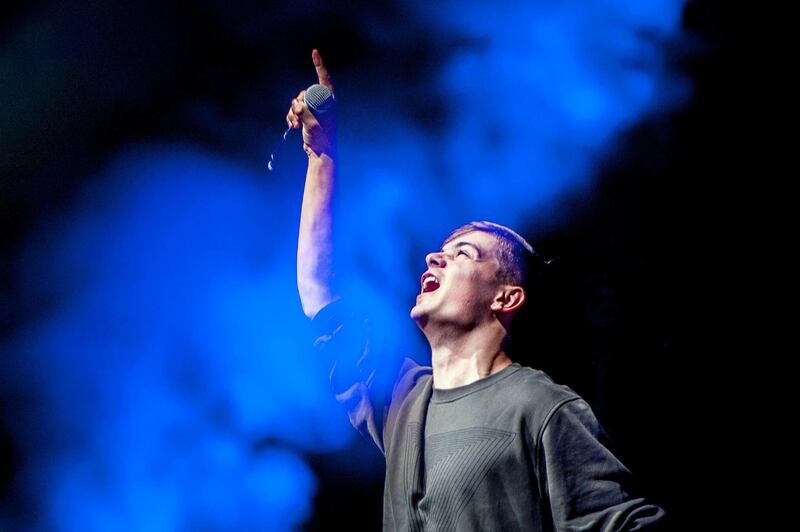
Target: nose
<point>435,259</point>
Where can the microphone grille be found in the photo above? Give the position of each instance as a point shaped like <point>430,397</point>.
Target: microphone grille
<point>318,98</point>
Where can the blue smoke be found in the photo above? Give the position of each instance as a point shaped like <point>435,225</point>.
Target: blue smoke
<point>173,379</point>
<point>173,344</point>
<point>524,107</point>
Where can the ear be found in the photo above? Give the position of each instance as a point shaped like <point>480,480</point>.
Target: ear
<point>508,299</point>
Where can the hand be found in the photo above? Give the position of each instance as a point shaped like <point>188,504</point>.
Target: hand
<point>317,138</point>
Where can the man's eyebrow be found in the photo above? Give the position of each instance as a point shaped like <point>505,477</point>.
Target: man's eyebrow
<point>463,244</point>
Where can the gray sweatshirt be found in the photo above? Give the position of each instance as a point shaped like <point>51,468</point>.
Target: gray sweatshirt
<point>512,451</point>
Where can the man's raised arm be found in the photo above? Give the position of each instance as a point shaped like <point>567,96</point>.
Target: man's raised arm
<point>315,240</point>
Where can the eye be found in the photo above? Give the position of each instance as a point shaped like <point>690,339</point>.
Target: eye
<point>462,252</point>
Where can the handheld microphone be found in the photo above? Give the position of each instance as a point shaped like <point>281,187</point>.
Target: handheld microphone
<point>320,101</point>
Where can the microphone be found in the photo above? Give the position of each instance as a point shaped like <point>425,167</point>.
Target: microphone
<point>319,99</point>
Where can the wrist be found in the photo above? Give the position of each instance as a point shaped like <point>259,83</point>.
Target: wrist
<point>321,161</point>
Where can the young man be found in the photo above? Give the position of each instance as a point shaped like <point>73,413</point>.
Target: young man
<point>475,442</point>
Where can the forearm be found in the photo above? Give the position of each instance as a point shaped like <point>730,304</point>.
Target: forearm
<point>315,240</point>
<point>587,486</point>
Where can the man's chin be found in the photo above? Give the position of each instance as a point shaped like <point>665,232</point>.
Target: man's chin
<point>417,312</point>
<point>420,318</point>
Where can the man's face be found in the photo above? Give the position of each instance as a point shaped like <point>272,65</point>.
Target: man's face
<point>460,283</point>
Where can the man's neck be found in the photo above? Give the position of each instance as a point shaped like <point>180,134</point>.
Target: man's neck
<point>461,358</point>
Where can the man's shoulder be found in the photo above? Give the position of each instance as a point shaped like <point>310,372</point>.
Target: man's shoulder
<point>413,370</point>
<point>411,375</point>
<point>535,389</point>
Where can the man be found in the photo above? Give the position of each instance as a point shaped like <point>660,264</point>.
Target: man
<point>475,442</point>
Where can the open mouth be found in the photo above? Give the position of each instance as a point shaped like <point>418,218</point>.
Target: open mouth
<point>429,282</point>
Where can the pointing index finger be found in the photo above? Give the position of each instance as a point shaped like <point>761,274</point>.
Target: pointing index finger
<point>322,72</point>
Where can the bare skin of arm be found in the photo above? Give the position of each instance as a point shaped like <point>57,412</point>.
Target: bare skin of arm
<point>315,243</point>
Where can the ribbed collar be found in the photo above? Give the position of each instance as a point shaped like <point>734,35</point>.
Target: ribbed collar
<point>452,394</point>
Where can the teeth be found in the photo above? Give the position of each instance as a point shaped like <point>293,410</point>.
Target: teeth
<point>428,281</point>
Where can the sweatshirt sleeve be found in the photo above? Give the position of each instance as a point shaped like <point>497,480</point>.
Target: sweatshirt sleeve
<point>361,367</point>
<point>587,486</point>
